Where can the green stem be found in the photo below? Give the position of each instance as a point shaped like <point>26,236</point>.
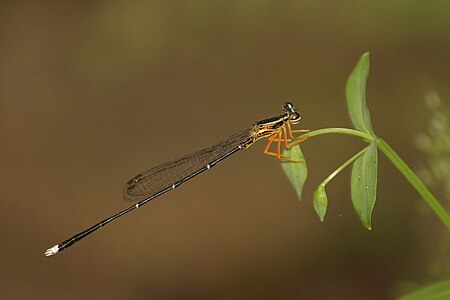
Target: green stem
<point>348,131</point>
<point>415,181</point>
<point>343,166</point>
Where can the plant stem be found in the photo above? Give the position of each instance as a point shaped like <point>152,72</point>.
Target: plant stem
<point>343,166</point>
<point>415,181</point>
<point>364,136</point>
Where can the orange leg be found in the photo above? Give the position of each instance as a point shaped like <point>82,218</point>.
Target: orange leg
<point>273,138</point>
<point>280,139</point>
<point>266,150</point>
<point>279,145</point>
<point>298,139</point>
<point>289,130</point>
<point>286,140</point>
<point>282,136</point>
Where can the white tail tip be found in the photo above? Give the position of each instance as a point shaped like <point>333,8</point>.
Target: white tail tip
<point>51,251</point>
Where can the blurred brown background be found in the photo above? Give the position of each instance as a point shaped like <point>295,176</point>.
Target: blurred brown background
<point>93,92</point>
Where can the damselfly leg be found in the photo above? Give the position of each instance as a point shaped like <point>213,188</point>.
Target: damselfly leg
<point>281,136</point>
<point>273,138</point>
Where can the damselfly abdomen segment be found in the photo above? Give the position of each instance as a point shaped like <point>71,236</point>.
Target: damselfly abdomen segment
<point>156,181</point>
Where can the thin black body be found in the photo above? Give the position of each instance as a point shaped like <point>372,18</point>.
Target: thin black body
<point>154,182</point>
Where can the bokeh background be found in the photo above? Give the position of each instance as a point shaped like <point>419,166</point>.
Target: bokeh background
<point>93,92</point>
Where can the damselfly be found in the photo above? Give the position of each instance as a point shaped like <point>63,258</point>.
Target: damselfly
<point>154,182</point>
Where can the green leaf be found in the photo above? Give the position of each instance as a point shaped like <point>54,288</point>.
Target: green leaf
<point>320,202</point>
<point>364,184</point>
<point>435,291</point>
<point>296,170</point>
<point>356,96</point>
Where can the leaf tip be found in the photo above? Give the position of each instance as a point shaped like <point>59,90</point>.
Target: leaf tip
<point>367,223</point>
<point>365,60</point>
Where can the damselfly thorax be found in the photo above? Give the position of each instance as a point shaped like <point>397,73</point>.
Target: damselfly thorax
<point>278,130</point>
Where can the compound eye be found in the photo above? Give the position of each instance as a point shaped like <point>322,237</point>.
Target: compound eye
<point>295,117</point>
<point>287,106</point>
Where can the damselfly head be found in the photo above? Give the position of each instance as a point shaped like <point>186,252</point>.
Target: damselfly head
<point>294,116</point>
